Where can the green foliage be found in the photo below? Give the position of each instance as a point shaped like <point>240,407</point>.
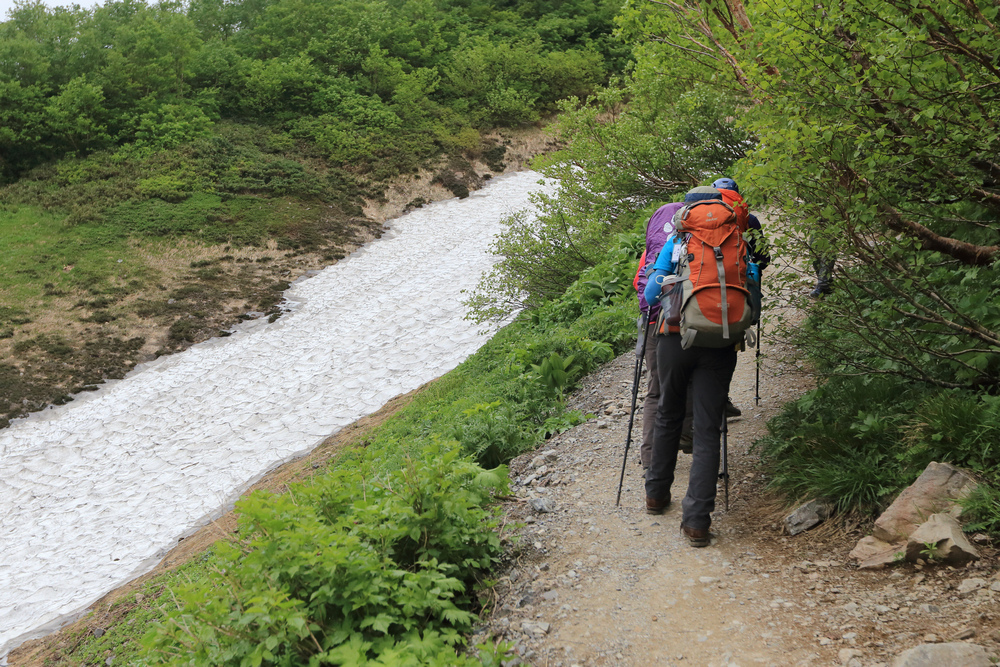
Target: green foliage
<point>619,160</point>
<point>554,372</point>
<point>351,568</point>
<point>543,258</point>
<point>364,80</point>
<point>867,120</point>
<point>929,551</point>
<point>492,433</point>
<point>243,186</point>
<point>981,508</point>
<point>859,441</point>
<point>563,422</point>
<point>171,125</point>
<point>121,637</point>
<point>877,159</point>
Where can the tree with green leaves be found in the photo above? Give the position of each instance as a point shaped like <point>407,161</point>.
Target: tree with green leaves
<point>876,143</point>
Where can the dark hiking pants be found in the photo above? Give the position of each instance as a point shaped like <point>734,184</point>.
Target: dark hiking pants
<point>709,372</point>
<point>652,400</point>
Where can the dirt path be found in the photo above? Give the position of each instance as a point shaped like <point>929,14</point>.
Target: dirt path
<point>594,584</point>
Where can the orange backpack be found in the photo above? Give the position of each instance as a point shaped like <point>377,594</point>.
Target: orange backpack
<point>707,300</point>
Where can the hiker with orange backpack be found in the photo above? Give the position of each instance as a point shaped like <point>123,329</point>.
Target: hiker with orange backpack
<point>730,192</point>
<point>702,280</point>
<point>659,228</point>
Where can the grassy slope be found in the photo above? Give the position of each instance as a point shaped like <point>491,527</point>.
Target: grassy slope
<point>84,297</point>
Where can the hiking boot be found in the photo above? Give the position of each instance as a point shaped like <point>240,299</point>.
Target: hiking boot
<point>820,290</point>
<point>654,506</point>
<point>696,538</point>
<point>732,410</point>
<point>687,443</point>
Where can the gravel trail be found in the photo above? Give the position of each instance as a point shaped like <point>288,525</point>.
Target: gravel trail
<point>589,583</point>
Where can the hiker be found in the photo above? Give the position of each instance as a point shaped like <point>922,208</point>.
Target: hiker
<point>823,265</point>
<point>659,228</point>
<point>727,187</point>
<point>702,372</point>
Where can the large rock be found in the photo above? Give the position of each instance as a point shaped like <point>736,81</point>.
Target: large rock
<point>543,505</point>
<point>935,491</point>
<point>942,535</point>
<point>956,654</point>
<point>874,554</point>
<point>807,516</point>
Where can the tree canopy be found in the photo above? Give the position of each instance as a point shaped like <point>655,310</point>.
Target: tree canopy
<point>876,142</point>
<point>359,78</point>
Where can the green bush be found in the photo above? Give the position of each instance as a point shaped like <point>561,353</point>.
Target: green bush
<point>350,568</point>
<point>171,125</point>
<point>981,509</point>
<point>492,433</point>
<point>858,441</point>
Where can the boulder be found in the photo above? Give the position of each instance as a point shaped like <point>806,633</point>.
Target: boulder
<point>955,654</point>
<point>850,656</point>
<point>934,492</point>
<point>971,585</point>
<point>806,516</point>
<point>536,629</point>
<point>943,534</point>
<point>874,554</point>
<point>542,505</point>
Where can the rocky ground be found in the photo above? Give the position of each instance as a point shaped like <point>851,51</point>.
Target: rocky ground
<point>592,583</point>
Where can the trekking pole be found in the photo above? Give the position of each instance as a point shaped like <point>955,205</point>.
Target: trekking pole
<point>636,378</point>
<point>724,475</point>
<point>756,360</point>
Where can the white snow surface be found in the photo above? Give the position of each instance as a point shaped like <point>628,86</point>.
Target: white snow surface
<point>93,493</point>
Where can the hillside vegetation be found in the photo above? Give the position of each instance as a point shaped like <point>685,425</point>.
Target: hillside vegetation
<point>867,125</point>
<point>167,168</point>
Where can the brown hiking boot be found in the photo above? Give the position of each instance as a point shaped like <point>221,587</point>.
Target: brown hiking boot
<point>696,538</point>
<point>654,506</point>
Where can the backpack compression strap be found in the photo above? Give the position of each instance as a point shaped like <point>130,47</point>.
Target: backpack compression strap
<point>722,287</point>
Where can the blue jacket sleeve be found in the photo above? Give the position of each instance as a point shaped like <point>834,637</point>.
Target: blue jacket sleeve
<point>664,266</point>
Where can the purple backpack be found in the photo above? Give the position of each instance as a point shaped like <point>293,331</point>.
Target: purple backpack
<point>659,228</point>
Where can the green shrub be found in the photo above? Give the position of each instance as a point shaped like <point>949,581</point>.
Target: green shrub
<point>172,125</point>
<point>858,441</point>
<point>957,426</point>
<point>350,568</point>
<point>981,509</point>
<point>492,433</point>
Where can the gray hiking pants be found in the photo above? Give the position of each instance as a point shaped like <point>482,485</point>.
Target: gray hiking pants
<point>708,371</point>
<point>652,400</point>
